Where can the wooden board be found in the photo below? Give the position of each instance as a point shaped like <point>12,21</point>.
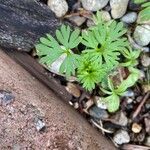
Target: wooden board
<point>23,22</point>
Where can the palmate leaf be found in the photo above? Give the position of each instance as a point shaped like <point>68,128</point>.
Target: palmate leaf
<point>105,42</point>
<point>113,102</point>
<point>131,57</point>
<point>89,72</point>
<point>144,14</point>
<point>67,38</point>
<point>49,50</point>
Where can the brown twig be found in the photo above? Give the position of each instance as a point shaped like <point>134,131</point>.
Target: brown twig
<point>137,111</point>
<point>133,147</point>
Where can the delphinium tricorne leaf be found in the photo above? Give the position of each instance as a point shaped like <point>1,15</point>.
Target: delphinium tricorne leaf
<point>49,49</point>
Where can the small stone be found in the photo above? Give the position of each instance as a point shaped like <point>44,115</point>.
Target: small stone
<point>142,35</point>
<point>121,137</point>
<point>73,89</point>
<point>146,88</point>
<point>120,119</point>
<point>77,20</point>
<point>59,7</point>
<point>129,93</point>
<point>147,125</point>
<point>118,8</point>
<point>6,97</point>
<point>145,60</point>
<point>100,103</point>
<point>147,141</point>
<point>129,17</point>
<point>76,105</point>
<point>40,125</point>
<point>136,128</point>
<point>129,100</point>
<point>98,113</point>
<point>94,5</point>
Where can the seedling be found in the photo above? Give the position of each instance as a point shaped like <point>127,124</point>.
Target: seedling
<point>106,48</point>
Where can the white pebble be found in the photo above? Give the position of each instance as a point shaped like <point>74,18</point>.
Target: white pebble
<point>121,137</point>
<point>142,35</point>
<point>59,7</point>
<point>118,8</point>
<point>94,5</point>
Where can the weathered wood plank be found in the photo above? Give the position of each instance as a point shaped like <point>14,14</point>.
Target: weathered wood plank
<point>22,22</point>
<point>34,68</point>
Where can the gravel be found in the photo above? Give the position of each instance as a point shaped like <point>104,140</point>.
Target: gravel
<point>129,17</point>
<point>136,128</point>
<point>59,7</point>
<point>6,97</point>
<point>142,35</point>
<point>121,137</point>
<point>98,113</point>
<point>73,89</point>
<point>118,8</point>
<point>145,60</point>
<point>77,20</point>
<point>120,119</point>
<point>94,5</point>
<point>40,125</point>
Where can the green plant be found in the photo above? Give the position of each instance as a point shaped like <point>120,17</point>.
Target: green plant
<point>139,1</point>
<point>90,72</point>
<point>113,100</point>
<point>104,44</point>
<point>131,57</point>
<point>49,50</point>
<point>144,14</point>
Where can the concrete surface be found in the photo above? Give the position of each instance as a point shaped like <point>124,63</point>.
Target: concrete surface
<point>65,129</point>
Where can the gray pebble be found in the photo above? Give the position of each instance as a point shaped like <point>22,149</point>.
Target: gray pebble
<point>121,137</point>
<point>40,125</point>
<point>129,17</point>
<point>98,113</point>
<point>142,35</point>
<point>94,5</point>
<point>145,60</point>
<point>59,7</point>
<point>77,20</point>
<point>118,8</point>
<point>129,93</point>
<point>120,119</point>
<point>6,97</point>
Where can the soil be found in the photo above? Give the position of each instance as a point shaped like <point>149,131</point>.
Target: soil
<point>64,128</point>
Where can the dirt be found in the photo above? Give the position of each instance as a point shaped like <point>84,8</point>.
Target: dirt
<point>64,128</point>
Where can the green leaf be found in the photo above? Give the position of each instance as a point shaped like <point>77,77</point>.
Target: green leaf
<point>131,57</point>
<point>67,38</point>
<point>89,72</point>
<point>144,14</point>
<point>139,1</point>
<point>113,103</point>
<point>49,50</point>
<point>104,43</point>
